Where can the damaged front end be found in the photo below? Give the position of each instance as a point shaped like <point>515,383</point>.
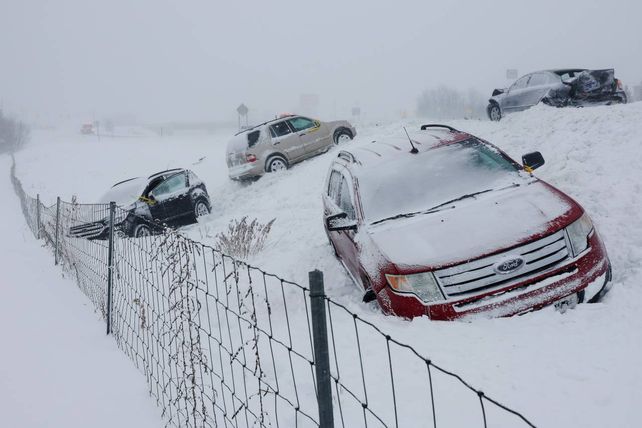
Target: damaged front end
<point>588,87</point>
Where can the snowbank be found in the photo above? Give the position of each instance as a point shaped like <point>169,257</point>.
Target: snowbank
<point>580,368</point>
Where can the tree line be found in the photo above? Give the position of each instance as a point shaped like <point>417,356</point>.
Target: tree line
<point>13,134</point>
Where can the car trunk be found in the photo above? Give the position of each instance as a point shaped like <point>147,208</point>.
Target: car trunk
<point>590,83</point>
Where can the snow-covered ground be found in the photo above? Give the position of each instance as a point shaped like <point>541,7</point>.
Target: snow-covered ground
<point>581,368</point>
<point>57,366</point>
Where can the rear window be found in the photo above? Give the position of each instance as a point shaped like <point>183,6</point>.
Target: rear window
<point>280,129</point>
<point>253,138</point>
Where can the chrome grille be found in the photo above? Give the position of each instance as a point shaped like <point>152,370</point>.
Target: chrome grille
<point>469,278</point>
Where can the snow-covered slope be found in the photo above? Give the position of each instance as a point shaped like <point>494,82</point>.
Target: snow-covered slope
<point>580,368</point>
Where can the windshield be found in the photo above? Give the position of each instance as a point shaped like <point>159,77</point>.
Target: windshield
<point>416,183</point>
<point>125,193</point>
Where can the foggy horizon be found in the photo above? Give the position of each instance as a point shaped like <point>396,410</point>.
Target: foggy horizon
<point>159,61</point>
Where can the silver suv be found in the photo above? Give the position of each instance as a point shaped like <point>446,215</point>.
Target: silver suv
<point>278,144</point>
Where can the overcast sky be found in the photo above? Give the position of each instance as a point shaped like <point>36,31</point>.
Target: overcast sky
<point>166,60</point>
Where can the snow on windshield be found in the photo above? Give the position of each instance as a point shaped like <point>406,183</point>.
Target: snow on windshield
<point>419,182</point>
<point>125,193</point>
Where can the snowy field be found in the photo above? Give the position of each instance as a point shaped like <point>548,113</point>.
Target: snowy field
<point>581,368</point>
<point>57,366</point>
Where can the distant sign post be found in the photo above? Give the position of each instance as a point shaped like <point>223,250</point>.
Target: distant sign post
<point>242,111</point>
<point>511,73</point>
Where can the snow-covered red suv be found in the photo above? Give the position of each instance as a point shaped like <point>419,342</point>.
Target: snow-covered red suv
<point>446,225</point>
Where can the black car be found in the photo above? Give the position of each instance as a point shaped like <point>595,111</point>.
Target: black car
<point>175,197</point>
<point>560,88</point>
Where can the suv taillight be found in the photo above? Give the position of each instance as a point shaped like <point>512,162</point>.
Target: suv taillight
<point>250,158</point>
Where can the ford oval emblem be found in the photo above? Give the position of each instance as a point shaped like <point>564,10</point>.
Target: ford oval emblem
<point>508,265</point>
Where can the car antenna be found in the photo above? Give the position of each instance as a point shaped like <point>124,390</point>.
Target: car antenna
<point>414,150</point>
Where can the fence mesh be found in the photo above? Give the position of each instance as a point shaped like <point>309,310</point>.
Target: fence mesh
<point>225,344</point>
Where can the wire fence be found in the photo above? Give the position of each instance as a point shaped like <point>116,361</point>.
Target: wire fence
<point>225,344</point>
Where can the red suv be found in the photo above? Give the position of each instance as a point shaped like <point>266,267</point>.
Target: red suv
<point>445,224</point>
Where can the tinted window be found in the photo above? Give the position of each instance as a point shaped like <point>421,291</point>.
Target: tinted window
<point>280,129</point>
<point>345,200</point>
<point>301,123</point>
<point>253,138</point>
<point>521,83</point>
<point>171,185</point>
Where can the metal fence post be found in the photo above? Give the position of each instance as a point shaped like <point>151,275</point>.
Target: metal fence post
<point>321,352</point>
<point>110,263</point>
<point>57,229</point>
<point>38,216</point>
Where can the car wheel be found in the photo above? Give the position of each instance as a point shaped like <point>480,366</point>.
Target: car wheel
<point>201,208</point>
<point>494,112</point>
<point>141,230</point>
<point>342,136</point>
<point>277,163</point>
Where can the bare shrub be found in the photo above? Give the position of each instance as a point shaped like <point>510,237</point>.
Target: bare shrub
<point>243,238</point>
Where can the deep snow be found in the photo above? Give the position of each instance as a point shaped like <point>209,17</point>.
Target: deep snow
<point>580,368</point>
<point>57,366</point>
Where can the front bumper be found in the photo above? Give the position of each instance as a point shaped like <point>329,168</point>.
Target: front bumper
<point>587,274</point>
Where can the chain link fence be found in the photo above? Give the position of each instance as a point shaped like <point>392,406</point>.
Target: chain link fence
<point>225,344</point>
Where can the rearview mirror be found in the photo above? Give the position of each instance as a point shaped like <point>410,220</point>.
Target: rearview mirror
<point>340,221</point>
<point>498,92</point>
<point>532,161</point>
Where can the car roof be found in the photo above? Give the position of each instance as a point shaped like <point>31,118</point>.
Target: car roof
<point>166,172</point>
<point>283,117</point>
<point>376,152</point>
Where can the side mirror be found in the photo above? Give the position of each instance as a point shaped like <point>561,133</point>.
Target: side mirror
<point>532,161</point>
<point>340,221</point>
<point>498,92</point>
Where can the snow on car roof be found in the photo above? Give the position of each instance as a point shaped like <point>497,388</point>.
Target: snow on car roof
<point>375,152</point>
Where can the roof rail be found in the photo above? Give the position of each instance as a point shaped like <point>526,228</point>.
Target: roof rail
<point>434,125</point>
<point>346,156</point>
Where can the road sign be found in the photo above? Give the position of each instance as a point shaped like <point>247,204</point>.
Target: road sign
<point>242,110</point>
<point>512,73</point>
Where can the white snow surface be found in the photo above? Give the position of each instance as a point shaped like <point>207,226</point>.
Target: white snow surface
<point>577,369</point>
<point>57,366</point>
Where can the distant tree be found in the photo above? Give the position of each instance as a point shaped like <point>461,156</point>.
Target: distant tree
<point>13,134</point>
<point>445,102</point>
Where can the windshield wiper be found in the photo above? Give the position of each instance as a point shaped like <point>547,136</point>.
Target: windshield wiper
<point>440,206</point>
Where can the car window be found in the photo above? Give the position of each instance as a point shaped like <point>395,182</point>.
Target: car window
<point>169,186</point>
<point>253,138</point>
<point>280,129</point>
<point>538,79</point>
<point>345,199</point>
<point>301,123</point>
<point>333,186</point>
<point>520,83</point>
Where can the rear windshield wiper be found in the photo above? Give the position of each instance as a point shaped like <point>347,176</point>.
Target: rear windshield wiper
<point>440,206</point>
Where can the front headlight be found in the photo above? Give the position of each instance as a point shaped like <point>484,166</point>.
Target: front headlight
<point>423,285</point>
<point>578,233</point>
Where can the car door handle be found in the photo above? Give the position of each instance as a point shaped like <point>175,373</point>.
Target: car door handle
<point>301,135</point>
<point>276,143</point>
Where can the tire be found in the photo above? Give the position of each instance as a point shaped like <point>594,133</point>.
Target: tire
<point>342,136</point>
<point>276,163</point>
<point>201,208</point>
<point>494,112</point>
<point>141,230</point>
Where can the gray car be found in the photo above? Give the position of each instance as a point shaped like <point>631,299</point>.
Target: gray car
<point>280,143</point>
<point>560,88</point>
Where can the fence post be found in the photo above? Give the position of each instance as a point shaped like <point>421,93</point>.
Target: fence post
<point>321,352</point>
<point>38,216</point>
<point>110,263</point>
<point>57,229</point>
